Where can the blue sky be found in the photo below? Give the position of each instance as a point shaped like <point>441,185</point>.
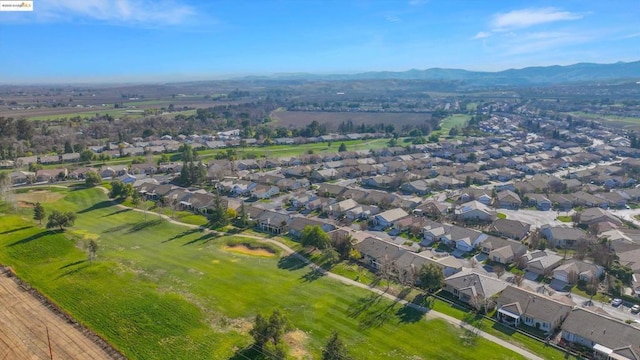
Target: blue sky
<point>168,40</point>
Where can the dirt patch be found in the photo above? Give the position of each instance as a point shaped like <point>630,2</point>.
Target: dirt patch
<point>296,341</point>
<point>35,196</point>
<point>28,321</point>
<point>244,249</point>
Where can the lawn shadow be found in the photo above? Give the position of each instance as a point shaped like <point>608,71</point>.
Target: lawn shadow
<point>204,239</point>
<point>117,228</point>
<point>143,225</point>
<point>72,264</point>
<point>73,271</point>
<point>117,212</point>
<point>409,314</point>
<point>370,312</point>
<point>97,206</point>
<point>312,275</point>
<point>291,262</point>
<point>183,234</point>
<point>248,352</point>
<point>15,230</point>
<point>503,328</point>
<point>34,237</point>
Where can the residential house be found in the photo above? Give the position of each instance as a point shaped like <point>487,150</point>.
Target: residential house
<point>563,237</point>
<point>471,287</point>
<point>540,201</point>
<point>377,253</point>
<point>574,270</point>
<point>387,218</point>
<point>22,177</point>
<point>606,337</point>
<point>502,251</point>
<point>419,187</point>
<point>264,191</point>
<point>272,222</point>
<point>461,238</point>
<point>596,215</point>
<point>298,224</point>
<point>339,209</point>
<point>513,229</point>
<point>508,199</point>
<point>324,174</point>
<point>474,211</point>
<point>542,262</point>
<point>519,306</point>
<point>48,175</point>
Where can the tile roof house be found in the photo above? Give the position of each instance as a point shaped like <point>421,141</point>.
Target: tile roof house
<point>518,306</point>
<point>608,338</point>
<point>297,225</point>
<point>474,211</point>
<point>513,229</point>
<point>597,215</point>
<point>502,250</point>
<point>459,237</point>
<point>387,218</point>
<point>573,270</point>
<point>542,262</point>
<point>508,199</point>
<point>563,237</point>
<point>467,286</point>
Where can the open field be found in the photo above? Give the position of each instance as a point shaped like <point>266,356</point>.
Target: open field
<point>631,123</point>
<point>332,120</point>
<point>24,322</point>
<point>163,291</point>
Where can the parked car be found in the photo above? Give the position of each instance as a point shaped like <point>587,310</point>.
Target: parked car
<point>616,302</point>
<point>635,309</point>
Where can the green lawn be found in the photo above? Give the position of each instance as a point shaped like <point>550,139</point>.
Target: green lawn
<point>161,291</point>
<point>564,218</point>
<point>501,215</point>
<point>455,120</point>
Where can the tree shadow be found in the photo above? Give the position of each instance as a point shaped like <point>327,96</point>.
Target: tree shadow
<point>73,271</point>
<point>34,237</point>
<point>312,275</point>
<point>143,225</point>
<point>203,239</point>
<point>117,212</point>
<point>291,262</point>
<point>183,234</point>
<point>72,264</point>
<point>360,305</point>
<point>408,314</point>
<point>117,228</point>
<point>97,206</point>
<point>248,352</point>
<point>15,230</point>
<point>371,312</point>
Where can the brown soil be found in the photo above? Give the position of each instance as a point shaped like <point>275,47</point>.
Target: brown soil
<point>25,317</point>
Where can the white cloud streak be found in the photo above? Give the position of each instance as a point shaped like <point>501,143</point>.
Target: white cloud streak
<point>125,12</point>
<point>523,18</point>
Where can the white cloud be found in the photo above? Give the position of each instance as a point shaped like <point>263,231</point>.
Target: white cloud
<point>130,12</point>
<point>528,17</point>
<point>542,41</point>
<point>482,35</point>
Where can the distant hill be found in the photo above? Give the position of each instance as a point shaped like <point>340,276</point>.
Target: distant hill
<point>581,72</point>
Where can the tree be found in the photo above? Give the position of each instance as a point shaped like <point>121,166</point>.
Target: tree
<point>269,333</point>
<point>342,147</point>
<point>38,212</point>
<point>499,270</point>
<point>120,190</point>
<point>92,178</point>
<point>335,349</point>
<point>431,277</point>
<point>61,220</point>
<point>93,249</point>
<point>86,155</point>
<point>316,237</point>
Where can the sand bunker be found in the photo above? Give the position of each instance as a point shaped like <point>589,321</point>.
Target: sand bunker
<point>243,249</point>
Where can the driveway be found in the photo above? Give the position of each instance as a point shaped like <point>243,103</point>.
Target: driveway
<point>536,218</point>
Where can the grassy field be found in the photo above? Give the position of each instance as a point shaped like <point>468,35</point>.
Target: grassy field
<point>619,121</point>
<point>333,119</point>
<point>455,120</point>
<point>162,291</point>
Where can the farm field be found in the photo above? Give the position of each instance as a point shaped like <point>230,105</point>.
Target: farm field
<point>632,123</point>
<point>163,291</point>
<point>333,119</point>
<point>24,322</point>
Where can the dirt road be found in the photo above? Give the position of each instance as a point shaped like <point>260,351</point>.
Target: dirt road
<point>24,321</point>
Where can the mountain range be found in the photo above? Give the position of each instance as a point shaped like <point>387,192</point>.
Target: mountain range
<point>537,75</point>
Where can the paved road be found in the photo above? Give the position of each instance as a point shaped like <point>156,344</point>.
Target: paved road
<point>536,218</point>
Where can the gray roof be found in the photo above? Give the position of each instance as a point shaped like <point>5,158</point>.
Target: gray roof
<point>523,302</point>
<point>510,227</point>
<point>603,330</point>
<point>475,284</point>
